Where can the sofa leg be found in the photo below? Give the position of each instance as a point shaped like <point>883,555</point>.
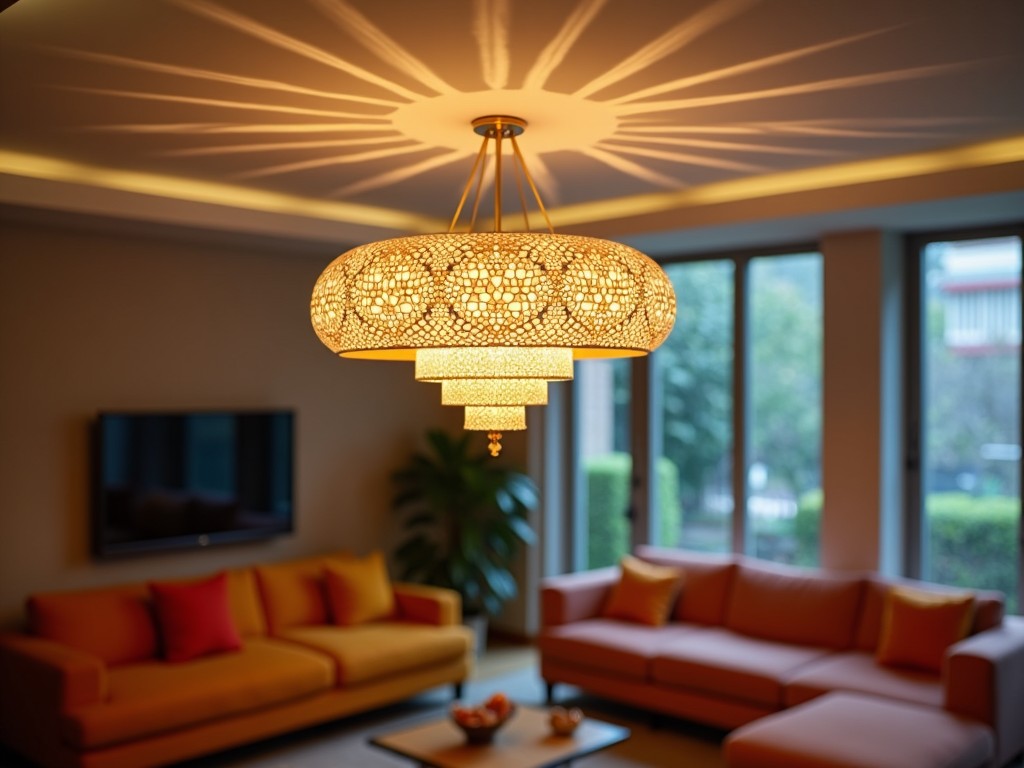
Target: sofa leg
<point>457,690</point>
<point>549,692</point>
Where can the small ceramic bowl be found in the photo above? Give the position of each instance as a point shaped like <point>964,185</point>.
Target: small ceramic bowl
<point>565,721</point>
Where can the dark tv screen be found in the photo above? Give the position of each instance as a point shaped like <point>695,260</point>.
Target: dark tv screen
<point>183,480</point>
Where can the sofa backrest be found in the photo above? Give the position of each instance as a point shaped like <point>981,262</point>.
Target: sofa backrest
<point>707,582</point>
<point>117,624</point>
<point>114,624</point>
<point>988,608</point>
<point>294,593</point>
<point>794,605</point>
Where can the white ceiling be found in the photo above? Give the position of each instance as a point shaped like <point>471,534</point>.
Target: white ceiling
<point>663,122</point>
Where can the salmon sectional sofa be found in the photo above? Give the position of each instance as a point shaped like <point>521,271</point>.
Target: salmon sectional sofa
<point>150,674</point>
<point>746,639</point>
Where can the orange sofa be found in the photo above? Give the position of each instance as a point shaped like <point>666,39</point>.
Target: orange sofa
<point>746,639</point>
<point>90,685</point>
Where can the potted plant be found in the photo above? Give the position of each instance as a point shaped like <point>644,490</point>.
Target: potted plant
<point>464,516</point>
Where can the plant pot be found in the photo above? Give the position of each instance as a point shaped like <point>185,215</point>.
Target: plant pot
<point>478,623</point>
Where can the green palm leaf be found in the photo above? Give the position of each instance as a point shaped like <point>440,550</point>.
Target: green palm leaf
<point>464,518</point>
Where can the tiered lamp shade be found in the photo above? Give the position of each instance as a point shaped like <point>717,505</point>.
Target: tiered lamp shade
<point>489,418</point>
<point>495,392</point>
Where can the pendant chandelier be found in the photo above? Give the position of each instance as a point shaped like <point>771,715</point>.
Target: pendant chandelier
<point>493,316</point>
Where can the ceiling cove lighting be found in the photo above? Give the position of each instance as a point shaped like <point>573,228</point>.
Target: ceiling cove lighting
<point>493,316</point>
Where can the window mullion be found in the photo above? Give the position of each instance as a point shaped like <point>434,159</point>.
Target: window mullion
<point>741,404</point>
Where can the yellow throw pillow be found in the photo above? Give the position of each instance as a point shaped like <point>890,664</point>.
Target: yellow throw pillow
<point>645,592</point>
<point>359,590</point>
<point>918,627</point>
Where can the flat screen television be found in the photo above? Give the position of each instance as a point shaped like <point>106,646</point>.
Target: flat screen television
<point>183,480</point>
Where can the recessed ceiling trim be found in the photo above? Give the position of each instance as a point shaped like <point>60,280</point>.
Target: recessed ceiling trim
<point>28,166</point>
<point>901,167</point>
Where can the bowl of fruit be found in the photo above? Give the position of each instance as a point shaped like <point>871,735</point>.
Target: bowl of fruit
<point>481,721</point>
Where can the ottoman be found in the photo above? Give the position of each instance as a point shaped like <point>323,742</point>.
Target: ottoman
<point>848,730</point>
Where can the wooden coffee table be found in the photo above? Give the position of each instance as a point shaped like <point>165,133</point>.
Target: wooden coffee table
<point>525,741</point>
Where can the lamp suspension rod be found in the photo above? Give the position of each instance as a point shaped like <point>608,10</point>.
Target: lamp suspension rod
<point>498,130</point>
<point>481,172</point>
<point>469,182</point>
<point>533,187</point>
<point>517,172</point>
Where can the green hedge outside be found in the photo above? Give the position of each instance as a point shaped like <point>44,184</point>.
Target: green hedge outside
<point>807,528</point>
<point>972,540</point>
<point>607,480</point>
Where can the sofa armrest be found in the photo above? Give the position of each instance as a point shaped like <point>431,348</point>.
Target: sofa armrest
<point>985,681</point>
<point>575,596</point>
<point>40,680</point>
<point>427,604</point>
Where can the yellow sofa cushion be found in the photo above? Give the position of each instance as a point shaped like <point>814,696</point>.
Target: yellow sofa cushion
<point>707,581</point>
<point>380,649</point>
<point>155,697</point>
<point>359,590</point>
<point>114,624</point>
<point>918,626</point>
<point>244,596</point>
<point>293,593</point>
<point>644,593</point>
<point>989,607</point>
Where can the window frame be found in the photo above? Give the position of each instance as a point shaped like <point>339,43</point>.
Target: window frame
<point>913,397</point>
<point>644,446</point>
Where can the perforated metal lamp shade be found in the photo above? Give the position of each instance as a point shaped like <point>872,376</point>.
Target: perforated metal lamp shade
<point>387,299</point>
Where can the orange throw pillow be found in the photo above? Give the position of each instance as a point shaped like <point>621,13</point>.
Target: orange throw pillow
<point>194,619</point>
<point>645,592</point>
<point>918,626</point>
<point>359,590</point>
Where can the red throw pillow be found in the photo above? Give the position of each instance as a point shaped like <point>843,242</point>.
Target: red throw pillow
<point>194,619</point>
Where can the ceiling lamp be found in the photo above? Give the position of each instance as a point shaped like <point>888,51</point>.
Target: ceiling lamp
<point>493,316</point>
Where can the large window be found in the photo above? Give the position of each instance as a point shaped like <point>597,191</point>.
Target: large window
<point>784,383</point>
<point>736,384</point>
<point>693,386</point>
<point>967,493</point>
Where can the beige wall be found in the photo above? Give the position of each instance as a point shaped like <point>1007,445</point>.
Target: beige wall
<point>92,321</point>
<point>860,389</point>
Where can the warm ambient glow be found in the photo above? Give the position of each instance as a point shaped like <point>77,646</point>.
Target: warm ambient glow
<point>493,314</point>
<point>494,392</point>
<point>547,363</point>
<point>491,418</point>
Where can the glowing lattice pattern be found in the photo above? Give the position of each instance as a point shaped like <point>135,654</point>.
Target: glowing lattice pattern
<point>550,364</point>
<point>494,392</point>
<point>387,299</point>
<point>495,418</point>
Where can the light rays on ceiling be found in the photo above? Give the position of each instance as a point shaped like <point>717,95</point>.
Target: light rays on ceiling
<point>649,139</point>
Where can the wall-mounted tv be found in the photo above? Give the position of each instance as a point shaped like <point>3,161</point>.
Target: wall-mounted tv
<point>184,480</point>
